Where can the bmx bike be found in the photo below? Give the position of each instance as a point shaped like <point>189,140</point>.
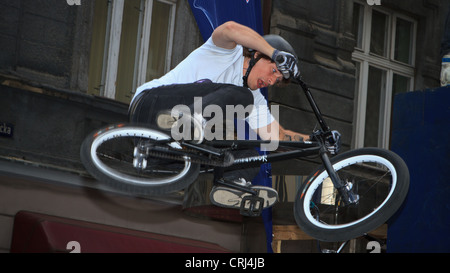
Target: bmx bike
<point>349,195</point>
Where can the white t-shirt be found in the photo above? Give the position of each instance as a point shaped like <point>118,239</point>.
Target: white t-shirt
<point>220,65</point>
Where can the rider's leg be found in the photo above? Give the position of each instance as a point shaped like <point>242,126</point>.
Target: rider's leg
<point>146,109</point>
<point>236,191</point>
<point>166,97</point>
<point>217,97</point>
<point>239,171</point>
<point>156,104</point>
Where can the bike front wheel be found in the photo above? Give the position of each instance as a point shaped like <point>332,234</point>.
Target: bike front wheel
<point>112,155</point>
<point>380,180</point>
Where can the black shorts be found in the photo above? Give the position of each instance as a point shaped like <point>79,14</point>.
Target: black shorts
<point>149,103</point>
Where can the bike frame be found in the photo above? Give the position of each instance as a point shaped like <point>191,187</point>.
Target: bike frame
<point>301,149</point>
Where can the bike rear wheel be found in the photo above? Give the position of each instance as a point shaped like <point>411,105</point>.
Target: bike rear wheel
<point>379,177</point>
<point>112,155</point>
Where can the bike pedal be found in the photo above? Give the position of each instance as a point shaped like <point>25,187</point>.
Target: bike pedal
<point>251,206</point>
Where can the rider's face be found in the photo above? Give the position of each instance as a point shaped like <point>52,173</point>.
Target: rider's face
<point>263,74</point>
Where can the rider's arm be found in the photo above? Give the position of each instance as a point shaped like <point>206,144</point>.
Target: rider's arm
<point>289,135</point>
<point>229,34</point>
<point>270,132</point>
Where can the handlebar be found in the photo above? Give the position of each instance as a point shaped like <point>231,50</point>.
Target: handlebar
<point>331,139</point>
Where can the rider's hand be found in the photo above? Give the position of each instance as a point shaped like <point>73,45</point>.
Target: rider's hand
<point>286,63</point>
<point>333,142</point>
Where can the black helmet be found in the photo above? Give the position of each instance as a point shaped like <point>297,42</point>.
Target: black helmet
<point>277,42</point>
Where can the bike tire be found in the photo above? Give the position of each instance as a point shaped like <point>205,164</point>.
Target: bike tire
<point>380,178</point>
<point>107,154</point>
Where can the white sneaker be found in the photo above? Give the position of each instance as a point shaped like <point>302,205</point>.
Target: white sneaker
<point>167,120</point>
<point>232,198</point>
<point>242,182</point>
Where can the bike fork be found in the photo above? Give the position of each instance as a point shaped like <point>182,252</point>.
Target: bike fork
<point>343,188</point>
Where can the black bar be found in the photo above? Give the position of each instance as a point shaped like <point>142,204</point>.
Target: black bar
<point>203,148</point>
<point>272,157</point>
<point>255,143</point>
<point>314,106</point>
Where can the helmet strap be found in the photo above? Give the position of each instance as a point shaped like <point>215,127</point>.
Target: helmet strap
<point>251,63</point>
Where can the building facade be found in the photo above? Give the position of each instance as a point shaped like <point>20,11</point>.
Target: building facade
<point>68,67</point>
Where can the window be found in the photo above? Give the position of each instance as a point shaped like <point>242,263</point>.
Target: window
<point>384,57</point>
<point>131,44</point>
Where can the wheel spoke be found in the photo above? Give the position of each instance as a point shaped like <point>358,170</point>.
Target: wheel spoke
<point>372,193</point>
<point>120,154</point>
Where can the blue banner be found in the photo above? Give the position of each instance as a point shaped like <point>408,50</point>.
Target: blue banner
<point>210,14</point>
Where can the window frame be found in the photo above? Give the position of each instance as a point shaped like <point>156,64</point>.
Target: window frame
<point>365,59</point>
<point>112,44</point>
